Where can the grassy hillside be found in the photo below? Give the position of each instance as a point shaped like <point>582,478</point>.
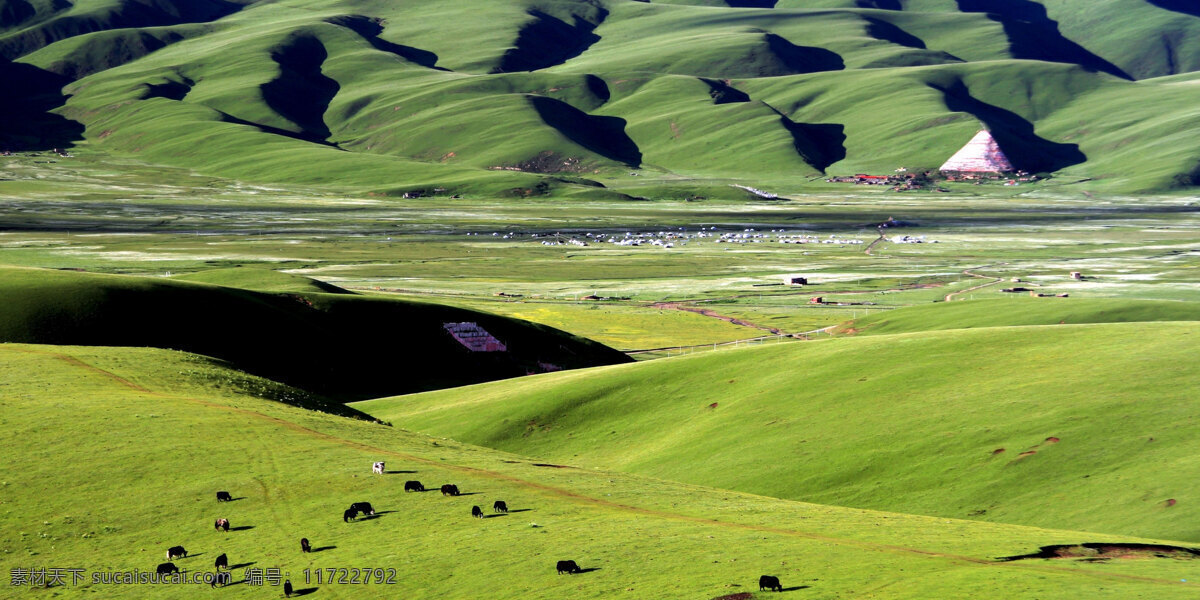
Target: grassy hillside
<point>153,436</point>
<point>1079,426</point>
<point>1020,311</point>
<point>555,97</point>
<point>262,280</point>
<point>337,344</point>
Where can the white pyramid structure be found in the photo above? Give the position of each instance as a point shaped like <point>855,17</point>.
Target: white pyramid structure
<point>981,155</point>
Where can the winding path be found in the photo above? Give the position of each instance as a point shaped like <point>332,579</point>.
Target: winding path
<point>993,281</point>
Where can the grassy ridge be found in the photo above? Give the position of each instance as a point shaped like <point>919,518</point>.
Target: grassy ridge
<point>338,344</point>
<point>377,95</point>
<point>880,422</point>
<point>1020,311</point>
<point>171,437</point>
<point>262,280</point>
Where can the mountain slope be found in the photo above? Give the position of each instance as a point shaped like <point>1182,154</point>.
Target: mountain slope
<point>156,433</point>
<point>342,345</point>
<point>1033,425</point>
<point>387,97</point>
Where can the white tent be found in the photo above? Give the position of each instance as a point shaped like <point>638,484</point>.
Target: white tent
<point>981,155</point>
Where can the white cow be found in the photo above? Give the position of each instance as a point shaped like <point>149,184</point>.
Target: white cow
<point>377,468</point>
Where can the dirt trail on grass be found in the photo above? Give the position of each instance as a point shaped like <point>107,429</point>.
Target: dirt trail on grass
<point>553,491</point>
<point>872,246</point>
<point>993,281</point>
<point>709,313</point>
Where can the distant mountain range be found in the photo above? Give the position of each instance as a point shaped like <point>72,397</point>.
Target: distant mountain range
<point>528,95</point>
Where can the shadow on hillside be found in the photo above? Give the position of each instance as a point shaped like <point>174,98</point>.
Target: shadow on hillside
<point>752,3</point>
<point>888,32</point>
<point>547,41</point>
<point>819,144</point>
<point>1099,550</point>
<point>1187,7</point>
<point>304,592</point>
<point>587,570</point>
<point>1024,148</point>
<point>880,4</point>
<point>15,12</point>
<point>603,135</point>
<point>795,588</point>
<point>301,93</point>
<point>324,548</point>
<point>722,93</point>
<point>242,528</point>
<point>170,89</point>
<point>1033,35</point>
<point>804,59</point>
<point>55,26</point>
<point>370,28</point>
<point>598,87</point>
<point>26,122</point>
<point>241,565</point>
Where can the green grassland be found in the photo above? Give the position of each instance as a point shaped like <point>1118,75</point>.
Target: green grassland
<point>907,423</point>
<point>175,429</point>
<point>566,97</point>
<point>1020,311</point>
<point>342,345</point>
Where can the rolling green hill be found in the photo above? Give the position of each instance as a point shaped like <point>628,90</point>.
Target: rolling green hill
<point>154,434</point>
<point>262,280</point>
<point>528,97</point>
<point>1076,426</point>
<point>1019,311</point>
<point>345,346</point>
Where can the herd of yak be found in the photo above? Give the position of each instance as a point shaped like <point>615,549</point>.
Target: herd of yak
<point>222,576</point>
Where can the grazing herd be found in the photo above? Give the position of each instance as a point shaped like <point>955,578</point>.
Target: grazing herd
<point>222,576</point>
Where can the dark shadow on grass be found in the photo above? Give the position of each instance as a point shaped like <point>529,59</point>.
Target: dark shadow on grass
<point>752,3</point>
<point>26,123</point>
<point>598,87</point>
<point>323,548</point>
<point>795,587</point>
<point>494,515</point>
<point>14,12</point>
<point>587,570</point>
<point>301,93</point>
<point>304,592</point>
<point>240,565</point>
<point>370,28</point>
<point>880,4</point>
<point>242,528</point>
<point>1024,148</point>
<point>520,510</point>
<point>888,32</point>
<point>819,144</point>
<point>384,512</point>
<point>547,41</point>
<point>193,555</point>
<point>1033,35</point>
<point>397,472</point>
<point>1187,7</point>
<point>603,135</point>
<point>722,93</point>
<point>804,59</point>
<point>466,494</point>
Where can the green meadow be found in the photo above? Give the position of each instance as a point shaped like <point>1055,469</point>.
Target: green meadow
<point>177,427</point>
<point>234,233</point>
